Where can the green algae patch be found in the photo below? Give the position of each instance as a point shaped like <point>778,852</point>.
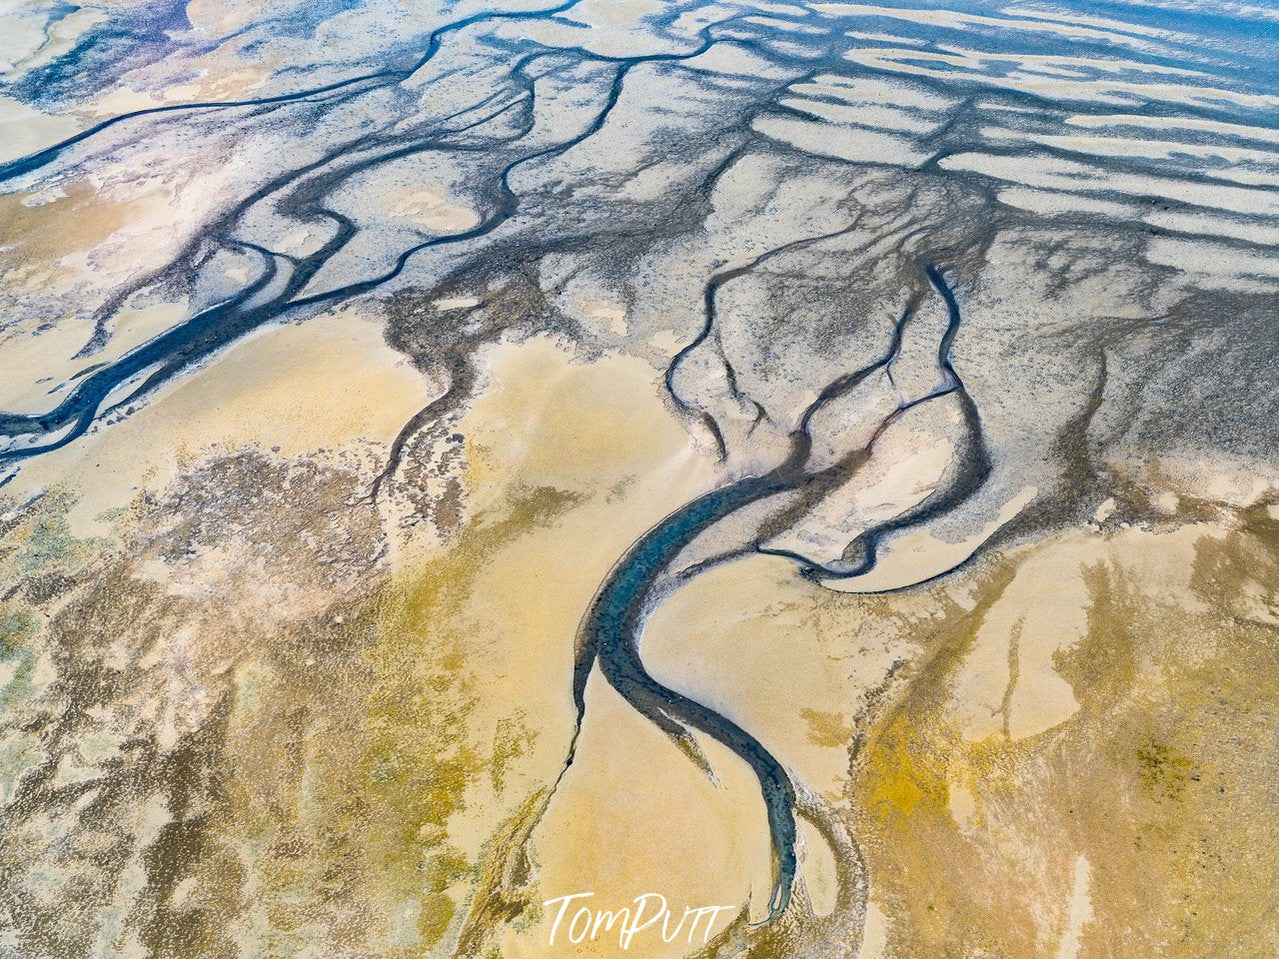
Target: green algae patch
<point>1163,771</point>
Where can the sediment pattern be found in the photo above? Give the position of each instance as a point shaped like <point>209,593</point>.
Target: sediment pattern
<point>818,456</point>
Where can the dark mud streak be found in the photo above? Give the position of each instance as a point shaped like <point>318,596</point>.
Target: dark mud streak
<point>220,325</point>
<point>709,297</point>
<point>34,161</point>
<point>612,630</point>
<point>216,326</point>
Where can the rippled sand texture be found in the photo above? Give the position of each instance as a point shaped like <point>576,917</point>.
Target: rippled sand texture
<point>813,457</point>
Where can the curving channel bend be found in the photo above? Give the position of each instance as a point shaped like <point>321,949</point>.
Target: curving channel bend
<point>612,629</point>
<point>832,208</point>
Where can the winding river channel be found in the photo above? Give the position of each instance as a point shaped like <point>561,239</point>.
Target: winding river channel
<point>921,285</point>
<point>612,629</point>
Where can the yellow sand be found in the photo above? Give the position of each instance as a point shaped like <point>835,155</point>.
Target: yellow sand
<point>324,384</point>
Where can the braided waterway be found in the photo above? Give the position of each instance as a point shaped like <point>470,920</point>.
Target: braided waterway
<point>964,313</point>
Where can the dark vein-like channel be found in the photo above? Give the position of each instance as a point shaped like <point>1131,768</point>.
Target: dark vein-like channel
<point>612,629</point>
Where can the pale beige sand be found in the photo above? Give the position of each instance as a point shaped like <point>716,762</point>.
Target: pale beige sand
<point>324,385</point>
